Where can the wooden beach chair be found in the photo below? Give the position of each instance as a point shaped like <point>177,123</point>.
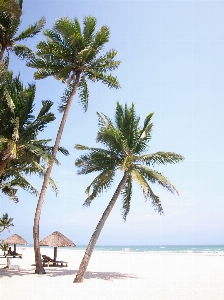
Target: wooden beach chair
<point>47,260</point>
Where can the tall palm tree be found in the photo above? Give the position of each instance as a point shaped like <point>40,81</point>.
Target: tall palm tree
<point>74,56</point>
<point>10,20</point>
<point>20,151</point>
<point>5,222</point>
<point>125,144</point>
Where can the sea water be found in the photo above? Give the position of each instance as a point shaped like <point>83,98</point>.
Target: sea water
<point>156,248</point>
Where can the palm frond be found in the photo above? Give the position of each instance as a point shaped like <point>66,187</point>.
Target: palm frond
<point>161,158</point>
<point>105,62</point>
<point>10,191</point>
<point>147,191</point>
<point>9,100</point>
<point>89,29</point>
<point>63,150</point>
<point>96,160</point>
<point>65,97</point>
<point>101,37</point>
<point>32,30</point>
<point>110,80</point>
<point>83,93</point>
<point>44,117</point>
<point>42,171</point>
<point>126,194</point>
<point>156,177</point>
<point>139,179</point>
<point>112,138</point>
<point>102,182</point>
<point>66,28</point>
<point>103,120</point>
<point>23,52</point>
<point>82,147</point>
<point>20,181</point>
<point>144,135</point>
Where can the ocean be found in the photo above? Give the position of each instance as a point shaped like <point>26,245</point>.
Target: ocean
<point>157,248</point>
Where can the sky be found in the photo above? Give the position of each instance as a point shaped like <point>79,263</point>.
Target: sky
<point>172,55</point>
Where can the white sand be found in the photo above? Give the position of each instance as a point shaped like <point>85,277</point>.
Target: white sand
<point>116,276</point>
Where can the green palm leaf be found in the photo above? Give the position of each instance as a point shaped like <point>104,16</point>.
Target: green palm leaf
<point>126,194</point>
<point>31,31</point>
<point>102,182</point>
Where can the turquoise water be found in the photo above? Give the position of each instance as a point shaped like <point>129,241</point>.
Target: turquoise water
<point>164,249</point>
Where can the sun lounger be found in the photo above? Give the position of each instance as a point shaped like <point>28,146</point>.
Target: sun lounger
<point>12,267</point>
<point>49,261</point>
<point>13,255</point>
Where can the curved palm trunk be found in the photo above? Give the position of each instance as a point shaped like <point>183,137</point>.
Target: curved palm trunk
<point>39,267</point>
<point>89,250</point>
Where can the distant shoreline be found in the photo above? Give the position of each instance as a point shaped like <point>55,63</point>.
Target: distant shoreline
<point>206,249</point>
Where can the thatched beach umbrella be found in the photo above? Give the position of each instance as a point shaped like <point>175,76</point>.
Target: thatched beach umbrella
<point>56,239</point>
<point>15,239</point>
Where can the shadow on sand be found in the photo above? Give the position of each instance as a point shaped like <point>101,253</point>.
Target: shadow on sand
<point>59,271</point>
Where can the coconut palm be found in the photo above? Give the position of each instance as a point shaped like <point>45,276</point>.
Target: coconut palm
<point>5,222</point>
<point>125,144</point>
<point>20,151</point>
<point>74,56</point>
<point>18,126</point>
<point>4,247</point>
<point>10,20</point>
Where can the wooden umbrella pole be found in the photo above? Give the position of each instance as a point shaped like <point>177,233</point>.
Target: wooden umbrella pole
<point>55,253</point>
<point>15,248</point>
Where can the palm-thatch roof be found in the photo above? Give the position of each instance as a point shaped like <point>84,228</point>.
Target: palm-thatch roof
<point>57,239</point>
<point>15,239</point>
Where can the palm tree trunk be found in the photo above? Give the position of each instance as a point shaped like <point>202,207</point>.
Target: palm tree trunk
<point>39,267</point>
<point>89,250</point>
<point>2,53</point>
<point>3,164</point>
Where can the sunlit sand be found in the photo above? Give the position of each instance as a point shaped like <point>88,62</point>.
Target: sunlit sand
<point>117,275</point>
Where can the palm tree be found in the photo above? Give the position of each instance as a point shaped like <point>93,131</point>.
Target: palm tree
<point>126,143</point>
<point>74,56</point>
<point>4,247</point>
<point>10,15</point>
<point>20,151</point>
<point>18,126</point>
<point>5,222</point>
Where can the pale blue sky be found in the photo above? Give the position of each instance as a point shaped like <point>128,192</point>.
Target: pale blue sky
<point>172,55</point>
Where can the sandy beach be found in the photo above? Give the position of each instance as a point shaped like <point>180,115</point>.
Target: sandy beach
<point>117,275</point>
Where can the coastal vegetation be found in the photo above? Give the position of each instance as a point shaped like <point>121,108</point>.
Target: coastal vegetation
<point>21,152</point>
<point>10,20</point>
<point>5,223</point>
<point>125,144</point>
<point>73,56</point>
